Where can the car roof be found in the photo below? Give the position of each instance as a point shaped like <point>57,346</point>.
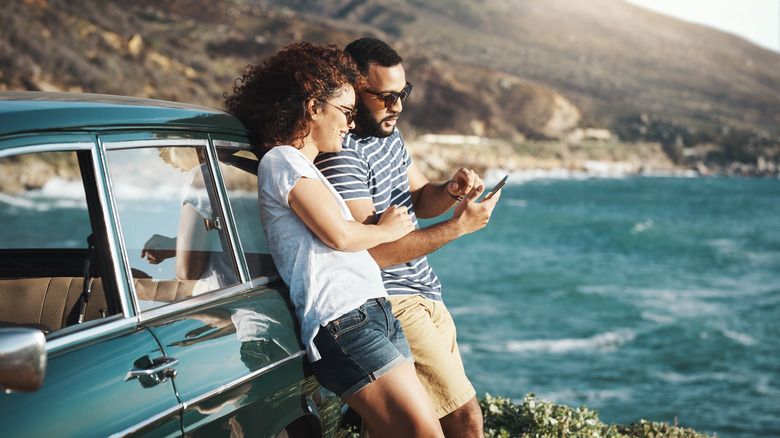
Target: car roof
<point>47,112</point>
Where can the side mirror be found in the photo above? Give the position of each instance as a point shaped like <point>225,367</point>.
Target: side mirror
<point>22,359</point>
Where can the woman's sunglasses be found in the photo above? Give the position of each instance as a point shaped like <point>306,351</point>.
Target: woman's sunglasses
<point>391,97</point>
<point>349,113</point>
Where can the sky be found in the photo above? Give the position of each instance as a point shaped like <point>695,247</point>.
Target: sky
<point>757,21</point>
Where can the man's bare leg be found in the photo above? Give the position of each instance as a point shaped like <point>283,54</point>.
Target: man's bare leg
<point>465,422</point>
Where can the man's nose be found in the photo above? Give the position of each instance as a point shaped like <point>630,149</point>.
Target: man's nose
<point>397,106</point>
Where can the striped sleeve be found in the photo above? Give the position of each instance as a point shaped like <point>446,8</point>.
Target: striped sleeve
<point>346,171</point>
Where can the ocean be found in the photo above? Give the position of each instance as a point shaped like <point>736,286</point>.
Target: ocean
<point>653,298</point>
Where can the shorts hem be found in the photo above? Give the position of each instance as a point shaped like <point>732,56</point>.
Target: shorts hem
<point>454,404</point>
<point>365,381</point>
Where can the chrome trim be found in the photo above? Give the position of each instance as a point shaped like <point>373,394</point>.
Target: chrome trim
<point>175,410</point>
<point>110,217</point>
<point>190,302</point>
<point>46,147</point>
<point>242,380</point>
<point>161,364</point>
<point>152,142</point>
<point>226,211</point>
<point>262,281</point>
<point>64,339</point>
<point>232,144</point>
<point>222,193</point>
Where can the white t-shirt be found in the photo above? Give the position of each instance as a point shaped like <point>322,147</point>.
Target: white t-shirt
<point>324,283</point>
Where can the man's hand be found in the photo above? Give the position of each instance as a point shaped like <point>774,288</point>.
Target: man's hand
<point>471,215</point>
<point>463,182</point>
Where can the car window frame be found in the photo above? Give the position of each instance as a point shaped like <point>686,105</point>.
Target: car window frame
<point>86,143</point>
<point>150,138</point>
<point>237,143</point>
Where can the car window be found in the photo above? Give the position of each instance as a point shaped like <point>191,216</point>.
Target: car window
<point>170,222</point>
<point>50,263</point>
<point>239,171</point>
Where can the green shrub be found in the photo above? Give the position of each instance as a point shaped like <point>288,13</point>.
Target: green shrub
<point>536,418</point>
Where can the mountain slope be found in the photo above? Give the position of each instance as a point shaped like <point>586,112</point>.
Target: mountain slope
<point>608,56</point>
<point>498,68</point>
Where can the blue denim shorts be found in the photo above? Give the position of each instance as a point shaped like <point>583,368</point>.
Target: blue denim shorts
<point>359,347</point>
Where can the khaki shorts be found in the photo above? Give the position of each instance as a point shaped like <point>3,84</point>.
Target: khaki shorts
<point>430,330</point>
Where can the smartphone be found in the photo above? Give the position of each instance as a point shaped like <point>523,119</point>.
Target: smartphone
<point>496,188</point>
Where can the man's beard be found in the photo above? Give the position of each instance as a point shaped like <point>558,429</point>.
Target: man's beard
<point>367,124</point>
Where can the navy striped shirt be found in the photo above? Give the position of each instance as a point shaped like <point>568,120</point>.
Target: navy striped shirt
<point>375,168</point>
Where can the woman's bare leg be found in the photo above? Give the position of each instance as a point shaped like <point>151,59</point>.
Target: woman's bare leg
<point>396,405</point>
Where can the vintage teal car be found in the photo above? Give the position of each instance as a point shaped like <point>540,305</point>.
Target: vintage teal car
<point>137,294</point>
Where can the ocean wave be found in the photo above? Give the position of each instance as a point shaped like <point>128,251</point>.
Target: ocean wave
<point>520,203</point>
<point>17,201</point>
<point>60,188</point>
<point>572,396</point>
<point>46,199</point>
<point>702,377</point>
<point>608,341</point>
<point>741,338</point>
<point>642,226</point>
<point>657,318</point>
<point>474,310</point>
<point>592,170</point>
<point>677,303</point>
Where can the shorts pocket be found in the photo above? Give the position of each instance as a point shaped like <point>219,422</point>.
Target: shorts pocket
<point>348,321</point>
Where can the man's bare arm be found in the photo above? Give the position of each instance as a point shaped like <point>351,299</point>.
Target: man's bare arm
<point>468,217</point>
<point>432,199</point>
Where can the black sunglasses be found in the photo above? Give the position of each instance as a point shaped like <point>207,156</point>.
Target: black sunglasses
<point>391,97</point>
<point>349,113</point>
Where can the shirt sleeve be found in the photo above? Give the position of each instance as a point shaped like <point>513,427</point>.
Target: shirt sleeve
<point>280,169</point>
<point>195,193</point>
<point>347,171</point>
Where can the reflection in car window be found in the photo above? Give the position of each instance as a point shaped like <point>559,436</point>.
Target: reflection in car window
<point>50,273</point>
<point>239,170</point>
<point>172,230</point>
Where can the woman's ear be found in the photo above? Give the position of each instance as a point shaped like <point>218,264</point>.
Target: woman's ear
<point>312,108</point>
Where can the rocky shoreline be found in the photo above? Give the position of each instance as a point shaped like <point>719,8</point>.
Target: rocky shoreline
<point>491,159</point>
<point>539,159</point>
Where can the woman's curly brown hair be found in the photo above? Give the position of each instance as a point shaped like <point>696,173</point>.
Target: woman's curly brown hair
<point>270,99</point>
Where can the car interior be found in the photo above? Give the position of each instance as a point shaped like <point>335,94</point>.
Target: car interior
<point>53,260</point>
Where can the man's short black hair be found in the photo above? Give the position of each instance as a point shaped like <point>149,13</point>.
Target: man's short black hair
<point>365,51</point>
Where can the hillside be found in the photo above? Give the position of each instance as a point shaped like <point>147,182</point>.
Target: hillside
<point>608,56</point>
<point>506,69</point>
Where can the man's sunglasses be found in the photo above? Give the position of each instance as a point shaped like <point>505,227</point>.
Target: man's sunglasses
<point>349,113</point>
<point>391,97</point>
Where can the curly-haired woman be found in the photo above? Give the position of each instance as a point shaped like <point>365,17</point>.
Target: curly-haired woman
<point>296,104</point>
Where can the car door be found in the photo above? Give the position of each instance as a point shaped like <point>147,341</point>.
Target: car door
<point>106,374</point>
<point>240,368</point>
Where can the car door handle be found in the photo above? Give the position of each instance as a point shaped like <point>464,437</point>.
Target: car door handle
<point>153,372</point>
